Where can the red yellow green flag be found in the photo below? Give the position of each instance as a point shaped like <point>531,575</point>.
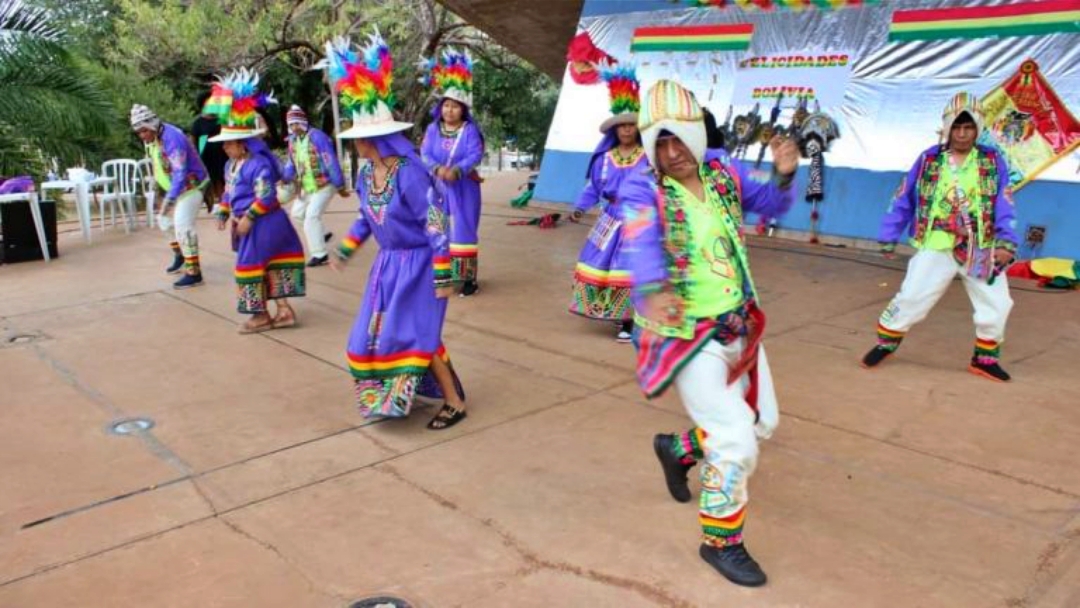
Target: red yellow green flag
<point>731,37</point>
<point>1025,19</point>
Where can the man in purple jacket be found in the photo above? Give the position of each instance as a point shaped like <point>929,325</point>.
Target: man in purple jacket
<point>179,172</point>
<point>314,169</point>
<point>957,201</point>
<point>698,323</point>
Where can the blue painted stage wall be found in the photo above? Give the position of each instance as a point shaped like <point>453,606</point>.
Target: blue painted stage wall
<point>593,8</point>
<point>856,200</point>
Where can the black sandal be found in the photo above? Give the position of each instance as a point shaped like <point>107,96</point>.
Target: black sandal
<point>446,417</point>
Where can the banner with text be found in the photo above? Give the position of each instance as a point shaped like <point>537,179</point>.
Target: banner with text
<point>822,78</point>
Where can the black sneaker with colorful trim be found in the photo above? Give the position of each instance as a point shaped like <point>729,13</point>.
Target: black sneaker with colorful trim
<point>988,369</point>
<point>875,356</point>
<point>674,470</point>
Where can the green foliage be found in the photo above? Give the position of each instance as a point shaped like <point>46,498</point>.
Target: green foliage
<point>101,56</point>
<point>87,24</point>
<point>125,88</point>
<point>514,102</point>
<point>49,105</point>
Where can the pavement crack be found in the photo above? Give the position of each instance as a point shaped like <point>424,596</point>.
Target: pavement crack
<point>272,548</point>
<point>1048,568</point>
<point>533,561</point>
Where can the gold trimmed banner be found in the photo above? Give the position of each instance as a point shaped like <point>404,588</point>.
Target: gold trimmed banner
<point>1026,119</point>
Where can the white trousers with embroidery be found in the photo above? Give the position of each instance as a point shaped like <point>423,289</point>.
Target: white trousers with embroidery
<point>929,275</point>
<point>309,208</point>
<point>183,224</point>
<point>730,442</point>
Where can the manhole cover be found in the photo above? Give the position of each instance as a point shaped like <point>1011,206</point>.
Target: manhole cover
<point>381,601</point>
<point>127,426</point>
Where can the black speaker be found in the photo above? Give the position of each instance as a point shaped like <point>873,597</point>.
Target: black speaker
<point>18,239</point>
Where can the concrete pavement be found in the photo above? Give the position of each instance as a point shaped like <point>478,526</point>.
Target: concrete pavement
<point>916,484</point>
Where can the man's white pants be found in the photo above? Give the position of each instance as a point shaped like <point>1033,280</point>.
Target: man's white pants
<point>730,442</point>
<point>183,223</point>
<point>928,277</point>
<point>309,208</point>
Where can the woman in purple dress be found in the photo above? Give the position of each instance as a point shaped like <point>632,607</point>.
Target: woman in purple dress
<point>395,347</point>
<point>601,277</point>
<point>453,147</point>
<point>269,255</point>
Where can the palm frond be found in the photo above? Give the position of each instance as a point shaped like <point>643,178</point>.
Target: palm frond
<point>19,19</point>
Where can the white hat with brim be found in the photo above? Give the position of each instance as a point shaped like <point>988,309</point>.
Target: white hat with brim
<point>457,95</point>
<point>228,134</point>
<point>374,125</point>
<point>626,118</point>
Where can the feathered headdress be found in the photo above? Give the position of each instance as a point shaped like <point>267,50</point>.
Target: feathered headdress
<point>236,98</point>
<point>219,102</point>
<point>363,78</point>
<point>624,93</point>
<point>453,77</point>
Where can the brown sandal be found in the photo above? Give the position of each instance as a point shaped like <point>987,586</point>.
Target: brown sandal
<point>248,328</point>
<point>289,321</point>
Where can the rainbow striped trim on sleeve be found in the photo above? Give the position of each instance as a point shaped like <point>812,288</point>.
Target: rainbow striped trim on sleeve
<point>444,272</point>
<point>257,209</point>
<point>348,246</point>
<point>223,210</point>
<point>732,37</point>
<point>1026,19</point>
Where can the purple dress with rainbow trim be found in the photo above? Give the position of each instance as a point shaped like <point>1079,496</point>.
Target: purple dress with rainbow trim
<point>463,151</point>
<point>602,278</point>
<point>269,258</point>
<point>399,327</point>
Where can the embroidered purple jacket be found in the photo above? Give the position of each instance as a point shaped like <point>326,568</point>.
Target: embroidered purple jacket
<point>643,230</point>
<point>181,161</point>
<point>326,168</point>
<point>912,201</point>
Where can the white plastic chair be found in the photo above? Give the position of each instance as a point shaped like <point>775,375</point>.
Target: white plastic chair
<point>145,173</point>
<point>121,191</point>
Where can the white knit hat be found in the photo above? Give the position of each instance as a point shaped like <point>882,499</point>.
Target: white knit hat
<point>670,107</point>
<point>143,117</point>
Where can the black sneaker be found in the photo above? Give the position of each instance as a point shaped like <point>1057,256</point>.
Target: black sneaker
<point>469,288</point>
<point>313,262</point>
<point>177,264</point>
<point>875,356</point>
<point>735,564</point>
<point>992,371</point>
<point>326,237</point>
<point>674,470</point>
<point>188,280</point>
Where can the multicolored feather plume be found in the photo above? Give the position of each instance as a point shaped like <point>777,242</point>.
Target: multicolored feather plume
<point>220,100</point>
<point>240,89</point>
<point>623,87</point>
<point>455,71</point>
<point>362,77</point>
